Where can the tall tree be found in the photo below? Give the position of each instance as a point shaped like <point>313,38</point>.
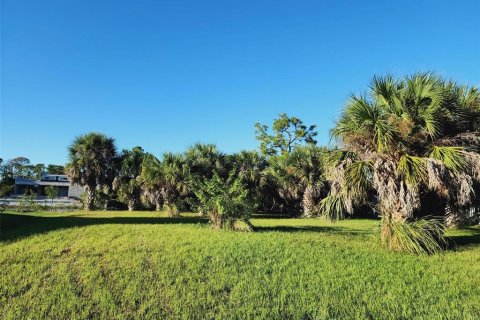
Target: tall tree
<point>405,140</point>
<point>92,159</point>
<point>38,170</point>
<point>126,182</point>
<point>55,169</point>
<point>151,179</point>
<point>250,166</point>
<point>307,164</point>
<point>287,185</point>
<point>19,166</point>
<point>288,132</point>
<point>176,181</point>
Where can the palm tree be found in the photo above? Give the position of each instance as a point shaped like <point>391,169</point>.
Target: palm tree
<point>165,181</point>
<point>307,165</point>
<point>205,159</point>
<point>176,180</point>
<point>403,141</point>
<point>249,167</point>
<point>92,163</point>
<point>151,177</point>
<point>126,183</point>
<point>287,183</point>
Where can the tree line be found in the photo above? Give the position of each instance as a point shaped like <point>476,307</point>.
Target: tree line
<point>407,150</point>
<point>22,167</point>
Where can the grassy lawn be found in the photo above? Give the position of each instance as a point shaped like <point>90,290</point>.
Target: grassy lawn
<point>113,265</point>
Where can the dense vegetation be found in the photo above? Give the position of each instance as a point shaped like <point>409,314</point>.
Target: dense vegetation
<point>21,167</point>
<point>142,265</point>
<point>412,147</point>
<point>407,151</point>
<point>407,154</point>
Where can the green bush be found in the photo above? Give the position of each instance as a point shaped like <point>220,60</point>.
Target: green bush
<point>225,201</point>
<point>6,189</point>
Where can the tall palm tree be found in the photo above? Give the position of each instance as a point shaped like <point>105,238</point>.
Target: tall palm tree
<point>176,180</point>
<point>307,165</point>
<point>249,167</point>
<point>403,140</point>
<point>286,182</point>
<point>91,163</point>
<point>126,183</point>
<point>151,178</point>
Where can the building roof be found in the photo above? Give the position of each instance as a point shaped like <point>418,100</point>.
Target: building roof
<point>53,183</point>
<point>24,182</point>
<point>29,182</point>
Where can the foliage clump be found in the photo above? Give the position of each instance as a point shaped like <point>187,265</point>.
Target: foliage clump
<point>92,164</point>
<point>410,147</point>
<point>287,133</point>
<point>225,201</point>
<point>126,182</point>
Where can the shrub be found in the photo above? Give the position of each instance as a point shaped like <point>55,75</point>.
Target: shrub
<point>225,201</point>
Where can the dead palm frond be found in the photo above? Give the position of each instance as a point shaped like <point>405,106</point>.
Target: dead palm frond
<point>423,236</point>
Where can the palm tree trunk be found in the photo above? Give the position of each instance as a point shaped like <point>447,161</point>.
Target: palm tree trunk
<point>308,201</point>
<point>214,218</point>
<point>131,203</point>
<point>90,200</point>
<point>158,205</point>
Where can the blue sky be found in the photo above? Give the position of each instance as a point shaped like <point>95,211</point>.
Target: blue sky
<point>167,74</point>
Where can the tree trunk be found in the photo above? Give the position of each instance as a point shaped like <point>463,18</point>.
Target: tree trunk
<point>308,201</point>
<point>158,205</point>
<point>214,218</point>
<point>132,204</point>
<point>90,199</point>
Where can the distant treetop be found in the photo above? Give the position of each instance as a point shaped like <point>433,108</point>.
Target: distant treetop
<point>287,133</point>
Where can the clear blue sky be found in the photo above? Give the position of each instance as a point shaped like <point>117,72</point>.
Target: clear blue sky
<point>167,74</point>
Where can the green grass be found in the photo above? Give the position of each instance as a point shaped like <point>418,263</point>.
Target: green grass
<point>112,265</point>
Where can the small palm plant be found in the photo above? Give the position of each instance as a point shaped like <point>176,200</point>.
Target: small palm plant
<point>226,202</point>
<point>403,140</point>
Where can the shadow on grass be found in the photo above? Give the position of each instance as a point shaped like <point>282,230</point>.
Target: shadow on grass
<point>275,216</point>
<point>323,229</point>
<point>457,241</point>
<point>16,226</point>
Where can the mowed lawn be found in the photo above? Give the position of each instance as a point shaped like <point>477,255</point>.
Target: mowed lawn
<point>118,265</point>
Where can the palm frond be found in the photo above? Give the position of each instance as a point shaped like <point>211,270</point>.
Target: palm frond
<point>333,207</point>
<point>423,236</point>
<point>413,170</point>
<point>452,157</point>
<point>358,179</point>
